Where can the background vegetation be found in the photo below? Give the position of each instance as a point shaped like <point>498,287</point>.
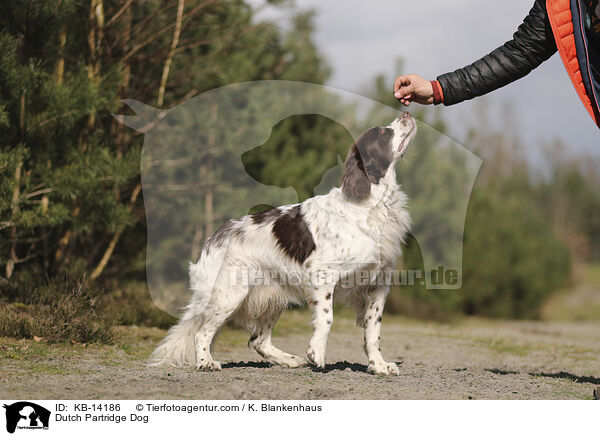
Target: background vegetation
<point>72,222</point>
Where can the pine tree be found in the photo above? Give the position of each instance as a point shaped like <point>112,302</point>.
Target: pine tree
<point>69,172</point>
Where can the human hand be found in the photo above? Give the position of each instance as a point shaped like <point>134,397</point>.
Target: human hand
<point>411,88</point>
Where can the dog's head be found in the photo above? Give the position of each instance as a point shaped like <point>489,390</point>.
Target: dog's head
<point>374,153</point>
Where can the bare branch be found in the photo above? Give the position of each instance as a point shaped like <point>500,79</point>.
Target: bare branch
<point>154,36</point>
<point>228,36</point>
<point>26,258</point>
<point>6,224</point>
<point>55,118</point>
<point>40,192</point>
<point>167,66</point>
<point>117,14</point>
<point>113,242</point>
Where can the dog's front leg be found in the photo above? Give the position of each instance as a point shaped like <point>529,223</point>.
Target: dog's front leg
<point>321,305</point>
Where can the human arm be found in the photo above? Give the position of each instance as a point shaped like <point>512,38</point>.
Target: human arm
<point>532,44</point>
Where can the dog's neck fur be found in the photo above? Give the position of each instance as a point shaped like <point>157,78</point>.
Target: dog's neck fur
<point>388,217</point>
<point>384,213</point>
<point>383,193</point>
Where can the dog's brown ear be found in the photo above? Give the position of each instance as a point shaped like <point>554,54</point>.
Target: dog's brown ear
<point>355,182</point>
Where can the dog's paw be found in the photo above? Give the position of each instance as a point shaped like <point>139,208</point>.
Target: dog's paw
<point>316,359</point>
<point>288,361</point>
<point>383,368</point>
<point>295,362</point>
<point>209,365</point>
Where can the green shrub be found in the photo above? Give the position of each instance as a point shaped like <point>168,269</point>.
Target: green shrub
<point>66,312</point>
<point>512,262</point>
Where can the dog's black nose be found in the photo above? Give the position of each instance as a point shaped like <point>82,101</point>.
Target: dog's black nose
<point>404,118</point>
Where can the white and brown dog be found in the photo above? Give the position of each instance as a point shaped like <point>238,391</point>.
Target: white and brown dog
<point>310,247</point>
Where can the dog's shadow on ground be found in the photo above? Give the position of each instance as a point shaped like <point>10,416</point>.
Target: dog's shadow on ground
<point>246,365</point>
<point>338,366</point>
<point>561,375</point>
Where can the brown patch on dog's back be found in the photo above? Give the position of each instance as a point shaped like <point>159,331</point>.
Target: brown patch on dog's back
<point>293,235</point>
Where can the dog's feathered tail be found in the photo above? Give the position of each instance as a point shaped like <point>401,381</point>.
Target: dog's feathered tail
<point>178,348</point>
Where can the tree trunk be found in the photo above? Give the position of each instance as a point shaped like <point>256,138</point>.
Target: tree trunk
<point>209,203</point>
<point>95,35</point>
<point>94,40</point>
<point>209,194</point>
<point>10,265</point>
<point>123,136</point>
<point>161,93</point>
<point>60,73</point>
<point>60,65</point>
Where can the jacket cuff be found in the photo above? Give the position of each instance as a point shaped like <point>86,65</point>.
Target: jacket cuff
<point>450,96</point>
<point>438,94</point>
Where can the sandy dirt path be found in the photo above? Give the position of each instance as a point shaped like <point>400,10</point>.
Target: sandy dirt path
<point>473,359</point>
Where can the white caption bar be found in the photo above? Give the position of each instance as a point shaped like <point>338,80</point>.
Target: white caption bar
<point>290,418</point>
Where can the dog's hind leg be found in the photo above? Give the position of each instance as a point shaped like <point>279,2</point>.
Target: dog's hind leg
<point>260,341</point>
<point>369,316</point>
<point>222,306</point>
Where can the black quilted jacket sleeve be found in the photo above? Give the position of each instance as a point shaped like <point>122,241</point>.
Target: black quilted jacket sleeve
<point>532,44</point>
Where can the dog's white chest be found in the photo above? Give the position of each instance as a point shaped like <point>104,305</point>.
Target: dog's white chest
<point>367,237</point>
